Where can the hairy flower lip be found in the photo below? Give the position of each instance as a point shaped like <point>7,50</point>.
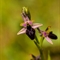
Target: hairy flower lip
<point>52,35</point>
<point>30,32</point>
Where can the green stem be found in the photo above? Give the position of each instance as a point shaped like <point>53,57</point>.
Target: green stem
<point>40,50</point>
<point>42,38</point>
<point>36,39</point>
<point>39,46</point>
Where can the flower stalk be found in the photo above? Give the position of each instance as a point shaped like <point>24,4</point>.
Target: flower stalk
<point>40,50</point>
<point>36,39</point>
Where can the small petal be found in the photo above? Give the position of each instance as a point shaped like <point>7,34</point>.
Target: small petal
<point>36,25</point>
<point>48,28</point>
<point>24,24</point>
<point>30,23</point>
<point>45,34</point>
<point>23,30</point>
<point>49,40</point>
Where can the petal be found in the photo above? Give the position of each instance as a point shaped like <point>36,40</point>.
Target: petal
<point>23,30</point>
<point>49,40</point>
<point>47,29</point>
<point>24,24</point>
<point>30,23</point>
<point>36,25</point>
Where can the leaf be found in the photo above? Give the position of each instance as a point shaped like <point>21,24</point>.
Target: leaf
<point>49,57</point>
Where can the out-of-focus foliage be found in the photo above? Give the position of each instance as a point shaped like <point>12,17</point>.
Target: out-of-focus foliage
<point>13,47</point>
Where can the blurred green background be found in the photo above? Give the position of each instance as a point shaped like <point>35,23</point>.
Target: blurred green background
<point>13,47</point>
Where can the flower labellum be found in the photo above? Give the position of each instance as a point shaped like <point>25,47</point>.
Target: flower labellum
<point>30,32</point>
<point>52,36</point>
<point>50,33</point>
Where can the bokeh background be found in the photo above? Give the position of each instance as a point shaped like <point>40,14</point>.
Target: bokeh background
<point>13,47</point>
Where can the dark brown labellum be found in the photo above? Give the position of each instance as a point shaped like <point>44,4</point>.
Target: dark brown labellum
<point>52,36</point>
<point>30,32</point>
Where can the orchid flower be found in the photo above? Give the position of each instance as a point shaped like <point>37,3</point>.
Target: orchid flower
<point>28,25</point>
<point>35,57</point>
<point>48,35</point>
